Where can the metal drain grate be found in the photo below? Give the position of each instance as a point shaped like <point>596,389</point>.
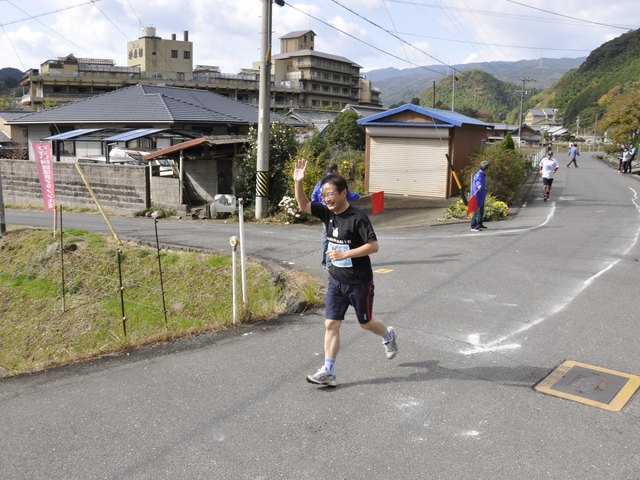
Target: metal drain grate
<point>591,385</point>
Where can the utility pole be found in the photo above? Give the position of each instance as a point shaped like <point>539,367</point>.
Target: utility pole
<point>264,105</point>
<point>433,101</point>
<point>454,79</point>
<point>523,80</point>
<point>3,224</point>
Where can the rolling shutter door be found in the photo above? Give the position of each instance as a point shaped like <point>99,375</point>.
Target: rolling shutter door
<point>408,166</point>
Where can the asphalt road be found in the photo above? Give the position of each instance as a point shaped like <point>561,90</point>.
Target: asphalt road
<point>481,319</point>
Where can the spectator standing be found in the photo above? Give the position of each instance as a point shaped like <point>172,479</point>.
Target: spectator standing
<point>626,161</point>
<point>632,157</point>
<point>479,189</point>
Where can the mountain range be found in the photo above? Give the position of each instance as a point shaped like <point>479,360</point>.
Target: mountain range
<point>400,86</point>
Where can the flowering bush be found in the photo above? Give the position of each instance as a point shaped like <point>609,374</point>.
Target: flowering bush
<point>290,208</point>
<point>494,209</point>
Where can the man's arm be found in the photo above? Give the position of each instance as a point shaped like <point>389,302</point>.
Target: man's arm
<point>298,177</point>
<point>362,251</point>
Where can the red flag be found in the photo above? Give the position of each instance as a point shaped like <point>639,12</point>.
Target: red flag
<point>473,205</point>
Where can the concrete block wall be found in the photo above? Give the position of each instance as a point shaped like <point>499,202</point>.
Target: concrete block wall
<point>118,188</point>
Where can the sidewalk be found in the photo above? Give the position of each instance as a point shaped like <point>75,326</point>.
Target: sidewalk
<point>408,211</point>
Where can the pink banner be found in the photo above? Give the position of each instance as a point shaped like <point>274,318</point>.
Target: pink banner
<point>42,151</point>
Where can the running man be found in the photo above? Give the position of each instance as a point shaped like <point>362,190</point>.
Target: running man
<point>548,168</point>
<point>351,240</point>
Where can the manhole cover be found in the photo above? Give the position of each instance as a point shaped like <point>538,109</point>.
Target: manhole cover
<point>591,385</point>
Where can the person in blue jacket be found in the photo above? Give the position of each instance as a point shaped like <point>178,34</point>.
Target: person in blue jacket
<point>316,196</point>
<point>479,189</point>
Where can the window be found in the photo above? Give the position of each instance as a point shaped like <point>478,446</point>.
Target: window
<point>187,55</point>
<point>181,76</point>
<point>68,147</point>
<point>174,53</point>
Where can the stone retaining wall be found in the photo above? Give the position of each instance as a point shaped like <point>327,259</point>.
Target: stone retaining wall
<point>118,188</point>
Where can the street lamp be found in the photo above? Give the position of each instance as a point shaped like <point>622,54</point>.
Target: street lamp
<point>262,161</point>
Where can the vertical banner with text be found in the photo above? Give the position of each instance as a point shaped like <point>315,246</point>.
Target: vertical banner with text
<point>42,151</point>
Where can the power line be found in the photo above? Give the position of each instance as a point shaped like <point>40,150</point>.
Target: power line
<point>14,48</point>
<point>495,44</point>
<point>511,15</point>
<point>49,28</point>
<point>390,33</point>
<point>136,14</point>
<point>94,2</point>
<point>568,16</point>
<point>362,41</point>
<point>33,17</point>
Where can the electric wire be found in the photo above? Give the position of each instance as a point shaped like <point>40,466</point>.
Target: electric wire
<point>494,44</point>
<point>563,20</point>
<point>389,32</point>
<point>24,68</point>
<point>33,17</point>
<point>49,28</point>
<point>569,16</point>
<point>362,41</point>
<point>94,3</point>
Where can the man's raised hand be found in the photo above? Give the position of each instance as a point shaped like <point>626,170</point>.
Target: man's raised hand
<point>299,170</point>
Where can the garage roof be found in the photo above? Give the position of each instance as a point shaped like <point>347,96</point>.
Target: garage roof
<point>443,118</point>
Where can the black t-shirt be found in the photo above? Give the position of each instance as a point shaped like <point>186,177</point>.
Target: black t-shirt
<point>346,231</point>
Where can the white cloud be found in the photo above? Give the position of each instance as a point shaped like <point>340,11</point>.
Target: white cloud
<point>227,32</point>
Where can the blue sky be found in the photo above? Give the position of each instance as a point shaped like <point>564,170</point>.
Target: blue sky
<point>373,33</point>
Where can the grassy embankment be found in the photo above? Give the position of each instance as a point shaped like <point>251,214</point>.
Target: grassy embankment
<point>39,328</point>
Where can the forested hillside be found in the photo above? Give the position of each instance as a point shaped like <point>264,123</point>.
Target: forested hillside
<point>401,86</point>
<point>611,69</point>
<point>477,94</point>
<point>9,79</point>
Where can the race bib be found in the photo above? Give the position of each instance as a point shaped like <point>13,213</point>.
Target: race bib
<point>340,263</point>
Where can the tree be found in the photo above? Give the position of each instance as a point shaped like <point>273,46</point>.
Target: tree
<point>622,118</point>
<point>508,143</point>
<point>344,132</point>
<point>282,146</point>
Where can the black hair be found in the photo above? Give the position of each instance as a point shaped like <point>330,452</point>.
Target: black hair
<point>337,181</point>
<point>332,167</point>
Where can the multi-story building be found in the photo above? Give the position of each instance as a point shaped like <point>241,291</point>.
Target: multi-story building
<point>162,59</point>
<point>300,77</point>
<point>325,80</point>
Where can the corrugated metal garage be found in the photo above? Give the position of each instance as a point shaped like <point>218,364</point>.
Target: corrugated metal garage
<point>406,149</point>
<point>415,166</point>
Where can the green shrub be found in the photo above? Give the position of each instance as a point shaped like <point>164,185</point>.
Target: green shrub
<point>507,171</point>
<point>494,209</point>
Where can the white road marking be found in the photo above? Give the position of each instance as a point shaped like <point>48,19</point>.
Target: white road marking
<point>495,345</point>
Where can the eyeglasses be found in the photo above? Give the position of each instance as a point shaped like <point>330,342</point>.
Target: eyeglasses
<point>329,194</point>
